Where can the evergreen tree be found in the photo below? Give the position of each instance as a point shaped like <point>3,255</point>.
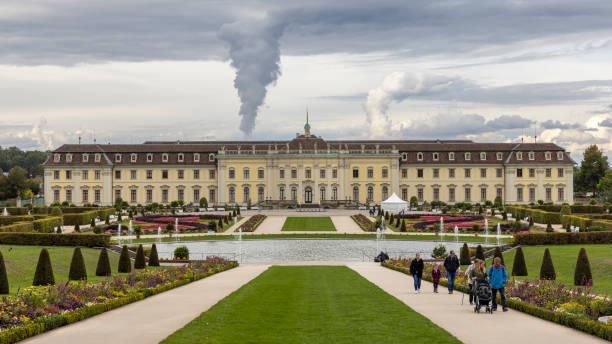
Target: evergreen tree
<point>44,270</point>
<point>103,268</point>
<point>479,252</point>
<point>220,224</point>
<point>391,218</point>
<point>93,222</point>
<point>77,228</point>
<point>504,215</point>
<point>140,263</point>
<point>464,255</point>
<point>549,228</point>
<point>530,222</point>
<point>125,264</point>
<point>238,210</point>
<point>519,268</point>
<point>403,226</point>
<point>4,285</point>
<point>498,253</point>
<point>386,216</point>
<point>153,258</point>
<point>582,274</point>
<point>397,222</point>
<point>547,270</point>
<point>77,266</point>
<point>107,221</point>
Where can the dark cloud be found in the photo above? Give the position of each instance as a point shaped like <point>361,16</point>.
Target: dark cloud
<point>556,124</point>
<point>457,125</point>
<point>606,123</point>
<point>506,122</point>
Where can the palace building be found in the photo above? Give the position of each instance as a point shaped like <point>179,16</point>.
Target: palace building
<point>308,169</point>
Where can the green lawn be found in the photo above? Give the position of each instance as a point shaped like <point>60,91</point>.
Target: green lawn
<point>310,304</point>
<point>323,223</point>
<point>20,262</point>
<point>564,258</point>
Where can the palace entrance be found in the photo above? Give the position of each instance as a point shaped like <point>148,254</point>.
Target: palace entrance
<point>308,195</point>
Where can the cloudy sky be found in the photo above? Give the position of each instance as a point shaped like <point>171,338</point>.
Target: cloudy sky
<point>130,71</point>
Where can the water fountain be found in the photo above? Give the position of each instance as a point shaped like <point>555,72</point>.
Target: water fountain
<point>176,229</point>
<point>240,244</point>
<point>441,228</point>
<point>5,212</point>
<point>119,234</point>
<point>486,230</point>
<point>159,236</point>
<point>498,233</point>
<point>378,235</point>
<point>456,234</point>
<point>130,231</point>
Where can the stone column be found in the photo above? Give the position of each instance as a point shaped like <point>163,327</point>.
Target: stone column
<point>107,186</point>
<point>341,180</point>
<point>569,185</point>
<point>509,196</point>
<point>274,186</point>
<point>48,193</point>
<point>300,196</point>
<point>76,194</point>
<point>540,186</point>
<point>315,189</point>
<point>269,178</point>
<point>221,189</point>
<point>394,176</point>
<point>347,180</point>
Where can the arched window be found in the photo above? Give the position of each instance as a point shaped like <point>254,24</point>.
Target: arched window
<point>246,194</point>
<point>260,194</point>
<point>282,193</point>
<point>232,194</point>
<point>385,193</point>
<point>308,195</point>
<point>294,193</point>
<point>322,193</point>
<point>370,193</point>
<point>356,193</point>
<point>334,193</point>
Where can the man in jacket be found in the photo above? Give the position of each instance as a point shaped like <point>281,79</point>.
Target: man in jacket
<point>498,277</point>
<point>416,269</point>
<point>451,264</point>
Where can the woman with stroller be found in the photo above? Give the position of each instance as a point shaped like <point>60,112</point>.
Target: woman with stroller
<point>479,273</point>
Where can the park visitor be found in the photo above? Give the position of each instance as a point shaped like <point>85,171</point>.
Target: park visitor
<point>416,269</point>
<point>435,276</point>
<point>451,264</point>
<point>498,277</point>
<point>468,273</point>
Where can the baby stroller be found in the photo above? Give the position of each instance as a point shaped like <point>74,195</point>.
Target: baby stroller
<point>482,296</point>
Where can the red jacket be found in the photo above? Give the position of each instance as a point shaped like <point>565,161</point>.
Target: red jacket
<point>435,275</point>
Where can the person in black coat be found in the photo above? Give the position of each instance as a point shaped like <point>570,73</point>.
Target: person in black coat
<point>416,269</point>
<point>451,264</point>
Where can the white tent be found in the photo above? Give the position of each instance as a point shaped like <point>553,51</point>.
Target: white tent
<point>394,204</point>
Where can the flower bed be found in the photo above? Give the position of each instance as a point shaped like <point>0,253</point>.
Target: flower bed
<point>186,224</point>
<point>363,222</point>
<point>465,223</point>
<point>38,309</point>
<point>251,224</point>
<point>550,300</point>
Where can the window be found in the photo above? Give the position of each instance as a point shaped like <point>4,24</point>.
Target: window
<point>246,173</point>
<point>468,156</point>
<point>164,196</point>
<point>483,173</point>
<point>531,156</point>
<point>97,174</point>
<point>181,194</point>
<point>196,158</point>
<point>56,157</point>
<point>260,194</point>
<point>499,192</point>
<point>85,196</point>
<point>519,194</point>
<point>133,157</point>
<point>246,194</point>
<point>132,174</point>
<point>293,173</point>
<point>532,173</point>
<point>180,174</point>
<point>451,156</point>
<point>385,172</point>
<point>196,195</point>
<point>117,157</point>
<point>97,195</point>
<point>483,194</point>
<point>133,196</point>
<point>560,172</point>
<point>97,157</point>
<point>519,155</point>
<point>548,156</point>
<point>281,173</point>
<point>451,173</point>
<point>483,156</point>
<point>118,174</point>
<point>385,192</point>
<point>322,193</point>
<point>260,173</point>
<point>436,156</point>
<point>420,194</point>
<point>85,174</point>
<point>56,195</point>
<point>56,175</point>
<point>165,157</point>
<point>548,172</point>
<point>436,173</point>
<point>211,174</point>
<point>419,173</point>
<point>404,173</point>
<point>356,193</point>
<point>149,174</point>
<point>212,195</point>
<point>149,157</point>
<point>68,157</point>
<point>404,156</point>
<point>370,196</point>
<point>468,194</point>
<point>467,172</point>
<point>559,155</point>
<point>334,193</point>
<point>211,157</point>
<point>86,157</point>
<point>231,173</point>
<point>420,156</point>
<point>519,173</point>
<point>149,196</point>
<point>355,173</point>
<point>164,174</point>
<point>560,196</point>
<point>451,194</point>
<point>117,194</point>
<point>499,155</point>
<point>181,157</point>
<point>68,195</point>
<point>282,193</point>
<point>334,173</point>
<point>196,174</point>
<point>499,172</point>
<point>548,194</point>
<point>68,175</point>
<point>532,194</point>
<point>405,194</point>
<point>308,173</point>
<point>294,194</point>
<point>370,172</point>
<point>436,194</point>
<point>322,173</point>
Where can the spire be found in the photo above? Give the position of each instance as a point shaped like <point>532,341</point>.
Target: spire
<point>307,125</point>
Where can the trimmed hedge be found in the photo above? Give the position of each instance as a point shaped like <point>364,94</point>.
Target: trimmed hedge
<point>48,224</point>
<point>538,215</point>
<point>83,218</point>
<point>9,220</point>
<point>23,227</point>
<point>52,239</point>
<point>563,238</point>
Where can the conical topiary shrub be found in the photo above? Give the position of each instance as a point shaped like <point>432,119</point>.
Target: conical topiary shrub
<point>549,228</point>
<point>464,255</point>
<point>44,270</point>
<point>530,222</point>
<point>140,263</point>
<point>519,268</point>
<point>4,286</point>
<point>479,253</point>
<point>582,274</point>
<point>77,266</point>
<point>92,223</point>
<point>125,264</point>
<point>103,268</point>
<point>498,253</point>
<point>403,226</point>
<point>547,270</point>
<point>153,258</point>
<point>77,228</point>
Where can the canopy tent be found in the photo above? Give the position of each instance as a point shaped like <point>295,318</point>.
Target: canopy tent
<point>394,204</point>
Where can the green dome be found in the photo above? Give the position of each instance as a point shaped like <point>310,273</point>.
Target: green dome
<point>307,126</point>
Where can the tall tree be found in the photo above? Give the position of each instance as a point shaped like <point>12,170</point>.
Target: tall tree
<point>593,167</point>
<point>604,188</point>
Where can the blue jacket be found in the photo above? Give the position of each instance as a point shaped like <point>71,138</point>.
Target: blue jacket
<point>497,276</point>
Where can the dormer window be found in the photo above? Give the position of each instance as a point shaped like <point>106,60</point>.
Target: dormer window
<point>420,156</point>
<point>149,157</point>
<point>500,155</point>
<point>211,157</point>
<point>548,155</point>
<point>165,157</point>
<point>68,157</point>
<point>483,156</point>
<point>85,157</point>
<point>404,156</point>
<point>559,155</point>
<point>133,157</point>
<point>468,156</point>
<point>56,157</point>
<point>451,156</point>
<point>436,156</point>
<point>97,157</point>
<point>196,157</point>
<point>181,157</point>
<point>117,157</point>
<point>519,155</point>
<point>531,156</point>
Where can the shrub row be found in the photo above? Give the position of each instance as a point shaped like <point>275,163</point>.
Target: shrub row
<point>23,227</point>
<point>44,324</point>
<point>9,220</point>
<point>563,238</point>
<point>83,218</point>
<point>593,327</point>
<point>47,224</point>
<point>586,222</point>
<point>538,215</point>
<point>52,239</point>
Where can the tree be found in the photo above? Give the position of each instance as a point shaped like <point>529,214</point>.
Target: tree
<point>498,253</point>
<point>549,228</point>
<point>203,202</point>
<point>77,228</point>
<point>403,226</point>
<point>530,222</point>
<point>153,257</point>
<point>547,270</point>
<point>414,202</point>
<point>519,268</point>
<point>103,268</point>
<point>93,222</point>
<point>125,264</point>
<point>592,168</point>
<point>140,262</point>
<point>4,285</point>
<point>16,182</point>
<point>44,270</point>
<point>604,187</point>
<point>582,274</point>
<point>77,266</point>
<point>220,224</point>
<point>464,255</point>
<point>479,252</point>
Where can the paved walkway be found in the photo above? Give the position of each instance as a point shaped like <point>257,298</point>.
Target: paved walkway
<point>446,311</point>
<point>153,319</point>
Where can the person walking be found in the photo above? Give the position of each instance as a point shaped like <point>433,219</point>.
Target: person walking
<point>468,273</point>
<point>435,276</point>
<point>451,264</point>
<point>416,269</point>
<point>498,277</point>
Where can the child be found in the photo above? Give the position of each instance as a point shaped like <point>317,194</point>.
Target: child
<point>435,275</point>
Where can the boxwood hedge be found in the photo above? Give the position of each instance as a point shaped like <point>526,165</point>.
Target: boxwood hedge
<point>52,239</point>
<point>563,238</point>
